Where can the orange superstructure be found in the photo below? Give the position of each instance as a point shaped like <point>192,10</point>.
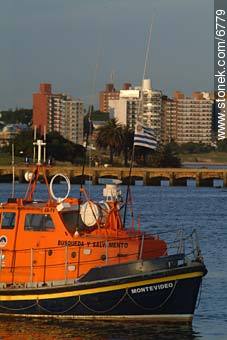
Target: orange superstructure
<point>62,240</point>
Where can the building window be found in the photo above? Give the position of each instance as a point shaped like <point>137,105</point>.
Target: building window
<point>38,222</point>
<point>8,220</point>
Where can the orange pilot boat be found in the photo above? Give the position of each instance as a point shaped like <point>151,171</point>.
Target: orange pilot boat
<point>75,258</point>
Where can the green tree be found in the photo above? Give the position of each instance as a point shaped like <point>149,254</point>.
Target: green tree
<point>58,147</point>
<point>62,149</point>
<point>141,155</point>
<point>222,145</point>
<point>23,144</point>
<point>191,147</point>
<point>109,136</point>
<point>127,139</point>
<point>17,116</point>
<point>165,157</point>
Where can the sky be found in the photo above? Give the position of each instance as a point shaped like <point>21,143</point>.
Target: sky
<point>80,45</point>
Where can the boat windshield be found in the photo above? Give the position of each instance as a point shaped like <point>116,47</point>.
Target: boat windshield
<point>72,221</point>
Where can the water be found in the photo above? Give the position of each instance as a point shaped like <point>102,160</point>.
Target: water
<point>161,208</point>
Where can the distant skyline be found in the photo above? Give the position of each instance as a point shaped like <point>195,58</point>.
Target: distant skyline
<point>80,45</point>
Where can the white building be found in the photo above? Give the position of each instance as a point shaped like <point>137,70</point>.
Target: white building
<point>194,118</point>
<point>72,128</point>
<point>65,116</point>
<point>136,104</point>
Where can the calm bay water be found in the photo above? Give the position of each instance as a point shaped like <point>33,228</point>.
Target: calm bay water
<point>161,209</point>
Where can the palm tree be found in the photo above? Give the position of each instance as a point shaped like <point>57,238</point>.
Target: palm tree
<point>110,137</point>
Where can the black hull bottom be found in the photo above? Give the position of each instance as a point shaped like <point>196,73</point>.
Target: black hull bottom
<point>166,298</point>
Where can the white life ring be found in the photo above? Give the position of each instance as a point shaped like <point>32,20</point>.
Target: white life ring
<point>60,199</point>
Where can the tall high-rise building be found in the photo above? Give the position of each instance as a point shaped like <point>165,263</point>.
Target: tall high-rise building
<point>150,114</point>
<point>168,120</point>
<point>58,112</point>
<point>41,106</point>
<point>138,103</point>
<point>194,118</point>
<point>108,94</point>
<point>72,125</point>
<point>220,115</point>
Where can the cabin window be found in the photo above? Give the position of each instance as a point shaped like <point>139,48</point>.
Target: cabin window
<point>38,222</point>
<point>8,220</point>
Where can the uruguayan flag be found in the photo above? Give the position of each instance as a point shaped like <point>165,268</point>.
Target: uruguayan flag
<point>144,136</point>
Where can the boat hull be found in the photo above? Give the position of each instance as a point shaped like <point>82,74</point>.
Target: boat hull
<point>163,296</point>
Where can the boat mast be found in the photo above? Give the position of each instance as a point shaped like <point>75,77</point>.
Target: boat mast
<point>140,110</point>
<point>13,171</point>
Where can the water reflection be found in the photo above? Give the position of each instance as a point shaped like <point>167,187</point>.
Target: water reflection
<point>35,329</point>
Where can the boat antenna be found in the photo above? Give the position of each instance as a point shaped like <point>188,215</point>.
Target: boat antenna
<point>44,147</point>
<point>140,110</point>
<point>88,132</point>
<point>13,170</point>
<point>34,138</point>
<point>89,125</point>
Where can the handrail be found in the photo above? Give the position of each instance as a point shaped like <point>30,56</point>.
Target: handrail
<point>175,246</point>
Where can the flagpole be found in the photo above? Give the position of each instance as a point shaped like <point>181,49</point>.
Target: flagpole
<point>139,109</point>
<point>129,184</point>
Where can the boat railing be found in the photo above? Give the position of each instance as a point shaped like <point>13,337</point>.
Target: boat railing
<point>38,265</point>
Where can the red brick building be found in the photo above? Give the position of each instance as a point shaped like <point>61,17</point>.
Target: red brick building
<point>40,106</point>
<point>104,96</point>
<point>58,112</point>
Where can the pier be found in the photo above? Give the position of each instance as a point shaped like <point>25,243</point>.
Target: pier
<point>149,176</point>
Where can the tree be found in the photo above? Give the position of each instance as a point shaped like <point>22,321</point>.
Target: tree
<point>110,137</point>
<point>222,145</point>
<point>165,157</point>
<point>17,116</point>
<point>191,147</point>
<point>127,137</point>
<point>141,155</point>
<point>62,149</point>
<point>58,147</point>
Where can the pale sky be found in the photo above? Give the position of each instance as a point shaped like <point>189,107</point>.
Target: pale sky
<point>77,44</point>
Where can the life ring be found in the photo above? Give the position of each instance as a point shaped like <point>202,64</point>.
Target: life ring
<point>60,199</point>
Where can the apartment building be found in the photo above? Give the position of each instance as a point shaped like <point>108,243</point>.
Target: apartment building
<point>41,107</point>
<point>151,111</point>
<point>72,125</point>
<point>58,112</point>
<point>168,120</point>
<point>138,103</point>
<point>105,96</point>
<point>194,118</point>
